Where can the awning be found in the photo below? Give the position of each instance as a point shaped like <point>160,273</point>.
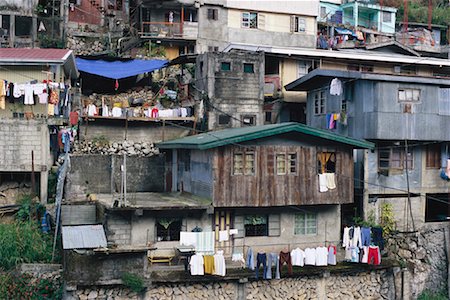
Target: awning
<point>343,31</point>
<point>83,237</point>
<point>119,69</point>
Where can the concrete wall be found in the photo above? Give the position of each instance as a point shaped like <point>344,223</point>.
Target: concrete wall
<point>82,214</point>
<point>96,174</point>
<point>289,73</point>
<point>85,269</point>
<point>232,92</point>
<point>115,131</point>
<point>328,229</point>
<point>129,228</point>
<point>18,138</point>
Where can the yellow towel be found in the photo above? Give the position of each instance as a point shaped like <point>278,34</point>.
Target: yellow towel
<point>208,261</point>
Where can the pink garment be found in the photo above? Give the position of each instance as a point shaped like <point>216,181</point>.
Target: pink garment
<point>447,171</point>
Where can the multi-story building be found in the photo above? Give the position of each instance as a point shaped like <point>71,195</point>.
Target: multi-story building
<point>401,104</point>
<point>188,26</point>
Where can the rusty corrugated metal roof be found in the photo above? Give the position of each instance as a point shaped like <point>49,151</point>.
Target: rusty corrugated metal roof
<point>35,54</point>
<point>83,237</point>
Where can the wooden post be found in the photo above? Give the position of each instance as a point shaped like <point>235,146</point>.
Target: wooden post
<point>163,130</point>
<point>181,20</point>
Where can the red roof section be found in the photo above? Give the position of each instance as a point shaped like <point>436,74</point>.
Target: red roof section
<point>36,54</point>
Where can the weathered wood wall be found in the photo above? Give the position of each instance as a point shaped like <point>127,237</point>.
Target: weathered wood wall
<point>265,188</point>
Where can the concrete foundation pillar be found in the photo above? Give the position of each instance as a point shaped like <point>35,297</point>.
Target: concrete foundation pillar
<point>44,187</point>
<point>12,30</point>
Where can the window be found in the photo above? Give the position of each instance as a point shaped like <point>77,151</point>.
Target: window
<point>250,20</point>
<point>213,49</point>
<point>248,120</point>
<point>437,207</point>
<point>394,158</point>
<point>408,69</point>
<point>444,101</point>
<point>286,164</point>
<point>115,4</point>
<point>433,156</point>
<point>168,229</point>
<point>23,26</point>
<point>326,162</point>
<point>248,68</point>
<point>319,102</point>
<point>292,163</point>
<point>387,17</point>
<point>268,117</point>
<point>323,12</point>
<point>305,223</point>
<point>244,163</point>
<point>213,14</point>
<point>225,66</point>
<point>409,95</point>
<point>190,15</point>
<point>281,164</point>
<point>343,105</point>
<point>303,68</point>
<point>224,120</point>
<point>256,225</point>
<point>298,24</point>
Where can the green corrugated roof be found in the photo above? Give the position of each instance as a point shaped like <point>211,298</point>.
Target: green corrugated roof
<point>224,137</point>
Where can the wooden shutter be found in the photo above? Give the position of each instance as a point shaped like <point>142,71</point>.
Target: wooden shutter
<point>239,225</point>
<point>292,24</point>
<point>274,225</point>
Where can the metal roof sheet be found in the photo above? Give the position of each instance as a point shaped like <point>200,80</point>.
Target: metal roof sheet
<point>219,138</point>
<point>83,237</point>
<point>319,77</point>
<point>35,54</point>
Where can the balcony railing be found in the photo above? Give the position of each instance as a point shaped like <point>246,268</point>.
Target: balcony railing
<point>162,29</point>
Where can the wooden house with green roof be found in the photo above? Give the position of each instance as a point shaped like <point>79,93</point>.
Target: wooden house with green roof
<point>264,181</point>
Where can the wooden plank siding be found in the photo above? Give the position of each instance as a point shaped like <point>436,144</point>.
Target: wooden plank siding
<point>266,189</point>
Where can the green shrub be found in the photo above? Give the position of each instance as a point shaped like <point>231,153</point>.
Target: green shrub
<point>133,282</point>
<point>25,286</point>
<point>23,242</point>
<point>429,295</point>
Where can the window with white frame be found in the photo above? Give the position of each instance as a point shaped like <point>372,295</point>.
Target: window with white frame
<point>244,163</point>
<point>298,24</point>
<point>387,17</point>
<point>303,67</point>
<point>250,20</point>
<point>286,163</point>
<point>323,12</point>
<point>408,95</point>
<point>319,102</point>
<point>305,223</point>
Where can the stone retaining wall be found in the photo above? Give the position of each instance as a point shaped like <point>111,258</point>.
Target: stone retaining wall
<point>424,255</point>
<point>365,285</point>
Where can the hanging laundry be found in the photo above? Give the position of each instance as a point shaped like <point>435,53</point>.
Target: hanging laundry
<point>208,262</point>
<point>220,268</point>
<point>285,258</point>
<point>321,256</point>
<point>261,259</point>
<point>250,261</point>
<point>2,94</point>
<point>323,183</point>
<point>310,256</point>
<point>336,87</point>
<point>374,256</point>
<point>298,257</point>
<point>10,92</point>
<point>28,93</point>
<point>73,118</point>
<point>272,259</point>
<point>92,110</point>
<point>331,184</point>
<point>332,255</point>
<point>196,264</point>
<point>116,85</point>
<point>223,235</point>
<point>447,170</point>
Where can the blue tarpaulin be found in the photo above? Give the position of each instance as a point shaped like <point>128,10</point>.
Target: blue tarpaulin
<point>119,69</point>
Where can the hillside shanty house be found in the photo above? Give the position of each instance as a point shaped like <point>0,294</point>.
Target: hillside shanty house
<point>279,185</point>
